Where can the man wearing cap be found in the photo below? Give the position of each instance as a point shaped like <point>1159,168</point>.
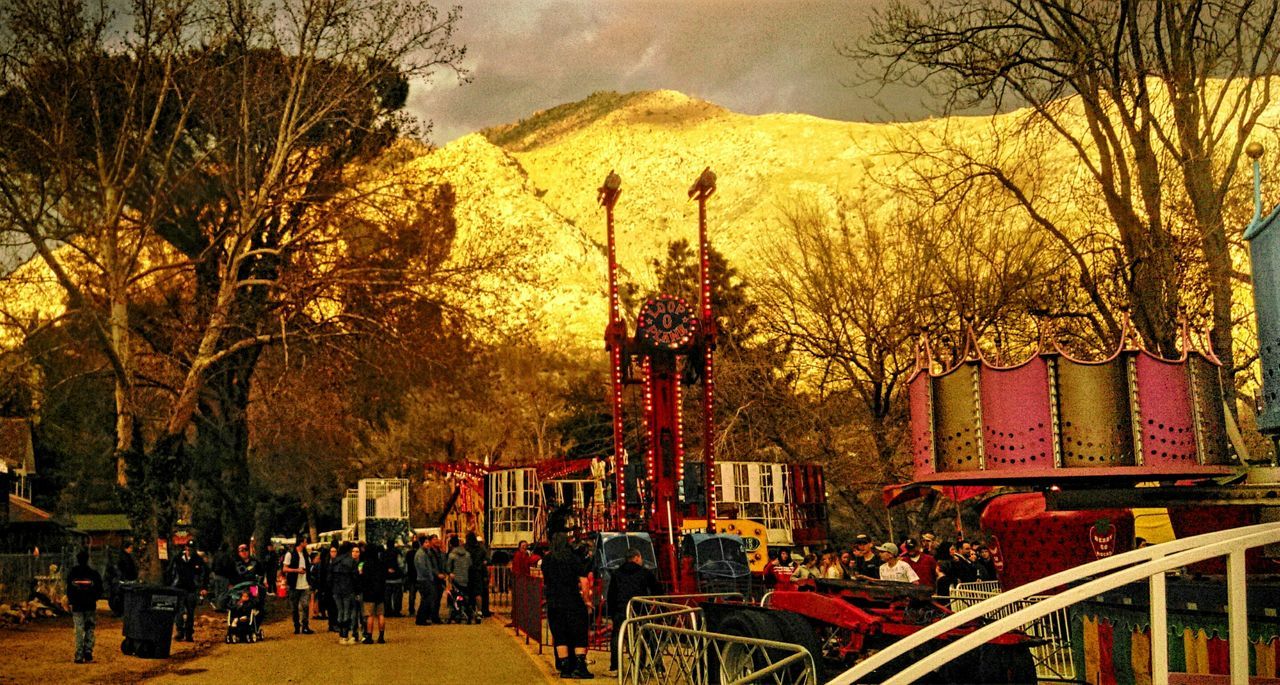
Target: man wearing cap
<point>892,568</point>
<point>246,566</point>
<point>930,544</point>
<point>866,563</point>
<point>924,565</point>
<point>188,574</point>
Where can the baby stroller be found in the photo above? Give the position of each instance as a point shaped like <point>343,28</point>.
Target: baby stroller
<point>460,609</point>
<point>244,604</point>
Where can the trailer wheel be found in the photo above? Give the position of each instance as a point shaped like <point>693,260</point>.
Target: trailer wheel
<point>735,661</point>
<point>797,630</point>
<point>944,674</point>
<point>1008,664</point>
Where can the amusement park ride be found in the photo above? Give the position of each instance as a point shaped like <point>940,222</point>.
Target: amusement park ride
<point>674,346</point>
<point>1078,442</point>
<point>662,504</point>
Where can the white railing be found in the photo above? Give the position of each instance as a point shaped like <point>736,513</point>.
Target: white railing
<point>986,588</point>
<point>1150,563</point>
<point>1053,658</point>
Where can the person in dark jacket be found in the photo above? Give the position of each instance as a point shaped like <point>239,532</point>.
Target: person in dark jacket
<point>438,558</point>
<point>564,579</point>
<point>328,607</point>
<point>395,579</point>
<point>84,589</point>
<point>427,569</point>
<point>631,580</point>
<point>187,573</point>
<point>246,566</point>
<point>223,571</point>
<point>345,578</point>
<point>269,563</point>
<point>373,591</point>
<point>125,570</point>
<point>478,583</point>
<point>411,574</point>
<point>986,564</point>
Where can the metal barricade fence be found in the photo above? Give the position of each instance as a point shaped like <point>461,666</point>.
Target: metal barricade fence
<point>664,640</point>
<point>1054,659</point>
<point>527,611</point>
<point>500,580</point>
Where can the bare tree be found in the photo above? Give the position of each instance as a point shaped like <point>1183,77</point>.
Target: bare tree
<point>1156,100</point>
<point>228,158</point>
<point>853,288</point>
<point>847,291</point>
<point>92,117</point>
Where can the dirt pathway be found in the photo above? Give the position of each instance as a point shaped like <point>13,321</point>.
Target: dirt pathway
<point>41,652</point>
<point>440,655</point>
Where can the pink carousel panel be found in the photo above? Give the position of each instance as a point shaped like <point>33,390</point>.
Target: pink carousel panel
<point>1017,426</point>
<point>1164,412</point>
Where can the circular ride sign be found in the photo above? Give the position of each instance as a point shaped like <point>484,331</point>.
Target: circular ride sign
<point>667,323</point>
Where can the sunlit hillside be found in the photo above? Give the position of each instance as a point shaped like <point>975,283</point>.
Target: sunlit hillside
<point>529,189</point>
<point>658,142</point>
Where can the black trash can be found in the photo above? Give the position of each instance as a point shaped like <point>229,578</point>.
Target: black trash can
<point>148,620</point>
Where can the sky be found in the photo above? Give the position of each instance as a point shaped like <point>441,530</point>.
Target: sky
<point>751,56</point>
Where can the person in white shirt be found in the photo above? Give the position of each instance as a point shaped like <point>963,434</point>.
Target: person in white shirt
<point>893,568</point>
<point>808,568</point>
<point>296,568</point>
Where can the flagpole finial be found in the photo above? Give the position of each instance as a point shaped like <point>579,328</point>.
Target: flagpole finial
<point>1255,150</point>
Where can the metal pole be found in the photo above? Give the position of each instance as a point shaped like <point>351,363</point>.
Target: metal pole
<point>675,553</point>
<point>701,190</point>
<point>1237,619</point>
<point>615,340</point>
<point>1159,631</point>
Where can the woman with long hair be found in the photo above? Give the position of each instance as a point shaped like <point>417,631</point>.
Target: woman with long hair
<point>564,582</point>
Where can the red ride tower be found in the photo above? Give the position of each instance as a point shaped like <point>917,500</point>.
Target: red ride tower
<point>674,346</point>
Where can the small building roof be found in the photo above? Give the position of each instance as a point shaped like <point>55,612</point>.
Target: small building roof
<point>102,523</point>
<point>22,511</point>
<point>16,451</point>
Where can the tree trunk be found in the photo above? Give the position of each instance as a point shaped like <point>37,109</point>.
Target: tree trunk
<point>312,531</point>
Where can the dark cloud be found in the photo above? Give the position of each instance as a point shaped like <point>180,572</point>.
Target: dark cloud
<point>752,56</point>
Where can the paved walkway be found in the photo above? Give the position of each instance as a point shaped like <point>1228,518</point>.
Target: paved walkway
<point>440,655</point>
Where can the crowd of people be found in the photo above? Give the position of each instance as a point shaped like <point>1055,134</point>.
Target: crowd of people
<point>924,560</point>
<point>353,587</point>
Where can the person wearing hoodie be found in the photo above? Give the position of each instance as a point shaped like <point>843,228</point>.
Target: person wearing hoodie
<point>344,577</point>
<point>84,589</point>
<point>479,582</point>
<point>458,566</point>
<point>631,580</point>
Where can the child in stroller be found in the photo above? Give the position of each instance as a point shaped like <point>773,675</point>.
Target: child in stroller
<point>244,611</point>
<point>460,609</point>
